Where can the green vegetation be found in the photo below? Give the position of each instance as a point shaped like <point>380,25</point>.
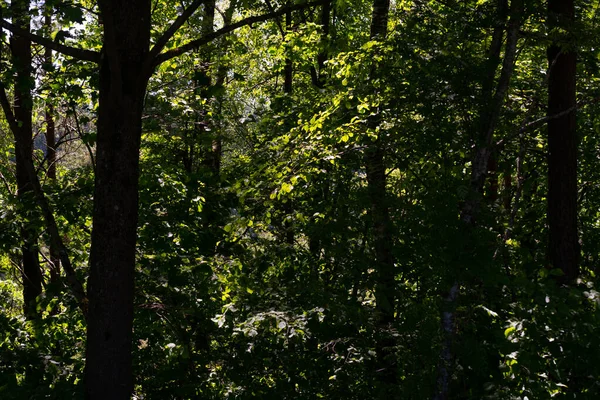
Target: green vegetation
<point>335,199</point>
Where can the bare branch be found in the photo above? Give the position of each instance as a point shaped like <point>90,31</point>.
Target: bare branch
<point>80,54</point>
<point>6,183</point>
<point>55,238</point>
<point>164,39</point>
<point>205,39</point>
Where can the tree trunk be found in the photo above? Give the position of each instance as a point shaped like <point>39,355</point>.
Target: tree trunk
<point>317,74</point>
<point>21,56</point>
<point>217,144</point>
<point>488,120</point>
<point>288,79</point>
<point>382,230</point>
<point>51,146</point>
<point>203,82</point>
<point>112,260</point>
<point>562,142</point>
<point>288,70</point>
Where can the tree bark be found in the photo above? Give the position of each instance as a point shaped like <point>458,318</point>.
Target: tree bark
<point>23,103</point>
<point>563,249</point>
<point>385,296</point>
<point>108,373</point>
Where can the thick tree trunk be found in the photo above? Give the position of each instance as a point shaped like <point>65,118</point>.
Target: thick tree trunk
<point>563,250</point>
<point>21,56</point>
<point>112,260</point>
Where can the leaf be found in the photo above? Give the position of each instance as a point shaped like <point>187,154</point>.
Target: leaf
<point>489,312</point>
<point>72,13</point>
<point>286,187</point>
<point>508,331</point>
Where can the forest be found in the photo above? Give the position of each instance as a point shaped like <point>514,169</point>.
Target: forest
<point>298,199</point>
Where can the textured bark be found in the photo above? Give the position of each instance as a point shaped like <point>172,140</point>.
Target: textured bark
<point>563,250</point>
<point>21,56</point>
<point>108,373</point>
<point>385,296</point>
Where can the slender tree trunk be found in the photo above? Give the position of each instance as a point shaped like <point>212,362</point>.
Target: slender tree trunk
<point>51,146</point>
<point>108,372</point>
<point>562,142</point>
<point>507,190</point>
<point>202,89</point>
<point>319,79</point>
<point>288,78</point>
<point>325,24</point>
<point>217,144</point>
<point>288,70</point>
<point>492,178</point>
<point>317,74</point>
<point>385,295</point>
<point>21,56</point>
<point>488,120</point>
<point>55,238</point>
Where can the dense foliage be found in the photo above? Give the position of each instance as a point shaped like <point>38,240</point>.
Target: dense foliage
<point>258,261</point>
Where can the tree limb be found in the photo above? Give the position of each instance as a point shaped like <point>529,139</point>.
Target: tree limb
<point>205,39</point>
<point>178,23</point>
<point>80,54</point>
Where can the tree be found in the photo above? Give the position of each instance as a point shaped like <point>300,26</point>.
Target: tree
<point>125,67</point>
<point>23,104</point>
<point>489,116</point>
<point>349,238</point>
<point>563,246</point>
<point>385,291</point>
<point>50,135</point>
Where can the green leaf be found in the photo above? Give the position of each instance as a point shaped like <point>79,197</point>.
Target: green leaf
<point>286,187</point>
<point>508,331</point>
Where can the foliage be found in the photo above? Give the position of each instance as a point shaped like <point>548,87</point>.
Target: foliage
<point>257,280</point>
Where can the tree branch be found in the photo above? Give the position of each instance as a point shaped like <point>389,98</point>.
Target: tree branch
<point>55,238</point>
<point>205,39</point>
<point>80,54</point>
<point>164,39</point>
